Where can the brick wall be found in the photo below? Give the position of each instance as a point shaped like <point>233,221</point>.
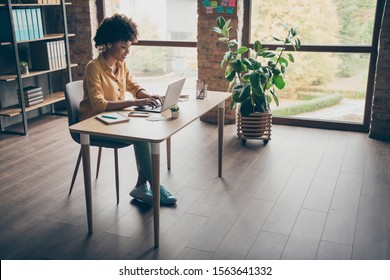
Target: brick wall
<point>82,20</point>
<point>380,118</point>
<point>210,54</point>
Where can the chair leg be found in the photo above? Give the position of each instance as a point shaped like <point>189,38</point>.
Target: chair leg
<point>75,173</point>
<point>98,162</point>
<point>116,175</point>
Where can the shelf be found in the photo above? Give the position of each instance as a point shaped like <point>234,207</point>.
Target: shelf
<point>13,77</point>
<point>47,100</point>
<point>47,37</point>
<point>34,5</point>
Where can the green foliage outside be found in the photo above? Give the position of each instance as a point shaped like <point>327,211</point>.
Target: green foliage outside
<point>326,22</point>
<point>308,105</point>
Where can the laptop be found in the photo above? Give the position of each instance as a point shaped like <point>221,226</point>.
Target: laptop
<point>171,98</point>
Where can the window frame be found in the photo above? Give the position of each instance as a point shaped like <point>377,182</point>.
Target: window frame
<point>372,50</point>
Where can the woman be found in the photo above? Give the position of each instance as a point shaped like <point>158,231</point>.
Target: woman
<point>106,80</point>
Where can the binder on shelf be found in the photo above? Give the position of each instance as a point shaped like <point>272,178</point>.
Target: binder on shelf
<point>41,56</point>
<point>39,21</point>
<point>63,54</point>
<point>35,23</point>
<point>16,25</point>
<point>5,23</point>
<point>30,25</point>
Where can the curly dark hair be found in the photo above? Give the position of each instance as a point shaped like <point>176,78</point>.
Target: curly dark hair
<point>115,29</point>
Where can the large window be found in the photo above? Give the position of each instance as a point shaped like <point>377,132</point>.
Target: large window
<point>166,49</point>
<point>329,85</point>
<point>330,79</point>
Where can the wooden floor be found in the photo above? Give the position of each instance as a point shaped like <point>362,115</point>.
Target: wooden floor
<point>308,194</point>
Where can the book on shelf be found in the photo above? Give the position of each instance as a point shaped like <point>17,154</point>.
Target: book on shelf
<point>112,118</point>
<point>31,103</point>
<point>33,95</point>
<point>31,89</point>
<point>43,55</point>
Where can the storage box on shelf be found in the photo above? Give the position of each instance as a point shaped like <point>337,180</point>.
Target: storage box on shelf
<point>28,36</point>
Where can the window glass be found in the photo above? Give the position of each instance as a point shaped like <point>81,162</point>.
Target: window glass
<point>164,20</point>
<point>155,67</point>
<point>333,88</point>
<point>320,22</point>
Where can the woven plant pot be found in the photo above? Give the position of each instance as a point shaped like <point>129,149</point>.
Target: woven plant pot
<point>256,126</point>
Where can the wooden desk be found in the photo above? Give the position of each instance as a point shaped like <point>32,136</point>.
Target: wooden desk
<point>139,129</point>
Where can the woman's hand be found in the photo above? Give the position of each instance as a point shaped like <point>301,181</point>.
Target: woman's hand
<point>140,102</point>
<point>158,98</point>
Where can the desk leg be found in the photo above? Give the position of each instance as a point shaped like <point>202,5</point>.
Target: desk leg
<point>87,177</point>
<point>156,191</point>
<point>169,153</point>
<point>221,121</point>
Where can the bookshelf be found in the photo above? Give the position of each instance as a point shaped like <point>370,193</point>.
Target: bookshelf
<point>27,35</point>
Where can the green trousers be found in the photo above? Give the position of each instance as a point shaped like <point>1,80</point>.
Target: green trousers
<point>142,154</point>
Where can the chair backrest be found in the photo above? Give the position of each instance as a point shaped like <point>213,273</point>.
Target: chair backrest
<point>73,95</point>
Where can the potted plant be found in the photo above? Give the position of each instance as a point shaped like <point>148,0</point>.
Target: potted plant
<point>24,67</point>
<point>254,75</point>
<point>175,111</point>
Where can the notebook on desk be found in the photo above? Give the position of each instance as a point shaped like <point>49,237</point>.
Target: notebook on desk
<point>112,118</point>
<point>171,98</point>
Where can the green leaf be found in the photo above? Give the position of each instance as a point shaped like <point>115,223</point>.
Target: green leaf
<point>221,22</point>
<point>293,31</point>
<point>245,93</point>
<point>217,30</point>
<point>246,108</point>
<point>271,63</point>
<point>233,41</point>
<point>242,50</point>
<point>236,64</point>
<point>276,38</point>
<point>255,80</point>
<point>259,103</point>
<point>284,61</point>
<point>276,99</point>
<point>297,43</point>
<point>257,46</point>
<point>225,32</point>
<point>285,26</point>
<point>287,40</point>
<point>268,54</point>
<point>279,82</point>
<point>228,55</point>
<point>283,67</point>
<point>247,63</point>
<point>269,99</point>
<point>255,64</point>
<point>227,23</point>
<point>230,76</point>
<point>276,71</point>
<point>246,77</point>
<point>291,57</point>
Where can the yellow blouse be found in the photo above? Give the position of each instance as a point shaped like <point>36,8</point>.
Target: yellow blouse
<point>101,86</point>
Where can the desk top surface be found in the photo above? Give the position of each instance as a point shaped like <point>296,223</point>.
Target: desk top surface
<point>153,131</point>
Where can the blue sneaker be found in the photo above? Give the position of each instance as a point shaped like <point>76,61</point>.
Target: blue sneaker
<point>142,193</point>
<point>166,197</point>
